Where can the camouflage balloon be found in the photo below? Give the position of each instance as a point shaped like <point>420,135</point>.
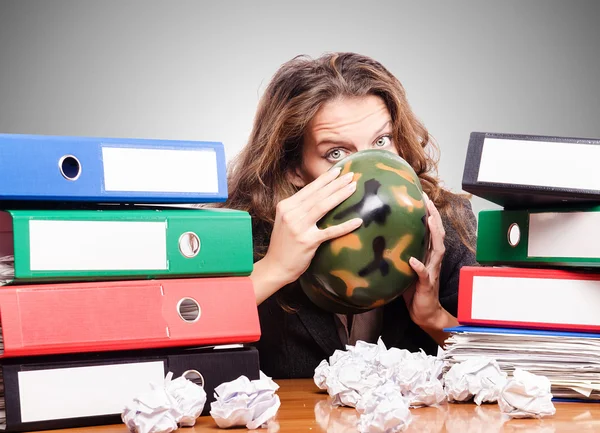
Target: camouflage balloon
<point>369,267</point>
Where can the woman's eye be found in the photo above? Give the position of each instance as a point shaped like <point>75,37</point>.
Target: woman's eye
<point>335,154</point>
<point>383,141</point>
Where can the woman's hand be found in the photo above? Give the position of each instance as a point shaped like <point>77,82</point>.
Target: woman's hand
<point>296,237</point>
<point>422,299</point>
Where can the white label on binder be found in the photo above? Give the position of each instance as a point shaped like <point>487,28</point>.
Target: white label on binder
<point>541,163</point>
<point>564,234</point>
<point>60,393</point>
<point>513,299</point>
<point>56,245</point>
<point>160,170</point>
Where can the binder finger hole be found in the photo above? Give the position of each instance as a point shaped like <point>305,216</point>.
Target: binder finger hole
<point>514,235</point>
<point>189,310</point>
<point>194,376</point>
<point>69,167</point>
<point>189,244</point>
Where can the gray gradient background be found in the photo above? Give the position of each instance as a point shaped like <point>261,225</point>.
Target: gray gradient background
<point>195,69</point>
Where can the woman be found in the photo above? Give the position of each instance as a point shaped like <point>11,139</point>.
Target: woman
<point>312,114</point>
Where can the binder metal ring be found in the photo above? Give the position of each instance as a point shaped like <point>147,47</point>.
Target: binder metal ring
<point>513,235</point>
<point>189,244</point>
<point>189,310</point>
<point>67,164</point>
<point>194,376</point>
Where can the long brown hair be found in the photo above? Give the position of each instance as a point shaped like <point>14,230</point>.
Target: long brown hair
<point>257,176</point>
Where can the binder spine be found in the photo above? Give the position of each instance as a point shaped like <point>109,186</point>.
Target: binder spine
<point>207,367</point>
<point>111,170</point>
<point>547,237</point>
<point>516,170</point>
<point>129,244</point>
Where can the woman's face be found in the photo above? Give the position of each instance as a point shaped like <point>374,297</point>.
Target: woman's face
<point>341,127</point>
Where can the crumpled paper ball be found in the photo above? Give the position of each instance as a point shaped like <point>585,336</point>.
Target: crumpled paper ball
<point>351,373</point>
<point>419,378</point>
<point>243,402</point>
<point>526,395</point>
<point>383,410</point>
<point>190,399</point>
<point>165,406</point>
<point>480,379</point>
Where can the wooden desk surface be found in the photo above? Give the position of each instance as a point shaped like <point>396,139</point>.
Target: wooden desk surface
<point>304,408</point>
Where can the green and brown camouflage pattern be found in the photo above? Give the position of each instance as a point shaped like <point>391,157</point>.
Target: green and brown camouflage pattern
<point>369,267</point>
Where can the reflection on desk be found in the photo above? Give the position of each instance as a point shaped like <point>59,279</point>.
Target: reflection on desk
<point>468,418</point>
<point>305,408</point>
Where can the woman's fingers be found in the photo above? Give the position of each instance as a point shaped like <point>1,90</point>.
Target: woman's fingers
<point>438,234</point>
<point>420,269</point>
<point>325,199</point>
<point>324,193</point>
<point>340,229</point>
<point>310,189</point>
<point>324,203</point>
<point>327,191</point>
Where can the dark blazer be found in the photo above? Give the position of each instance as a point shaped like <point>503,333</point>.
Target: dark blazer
<point>292,344</point>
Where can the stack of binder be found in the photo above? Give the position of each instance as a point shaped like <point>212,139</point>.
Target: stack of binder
<point>107,283</point>
<point>534,302</point>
